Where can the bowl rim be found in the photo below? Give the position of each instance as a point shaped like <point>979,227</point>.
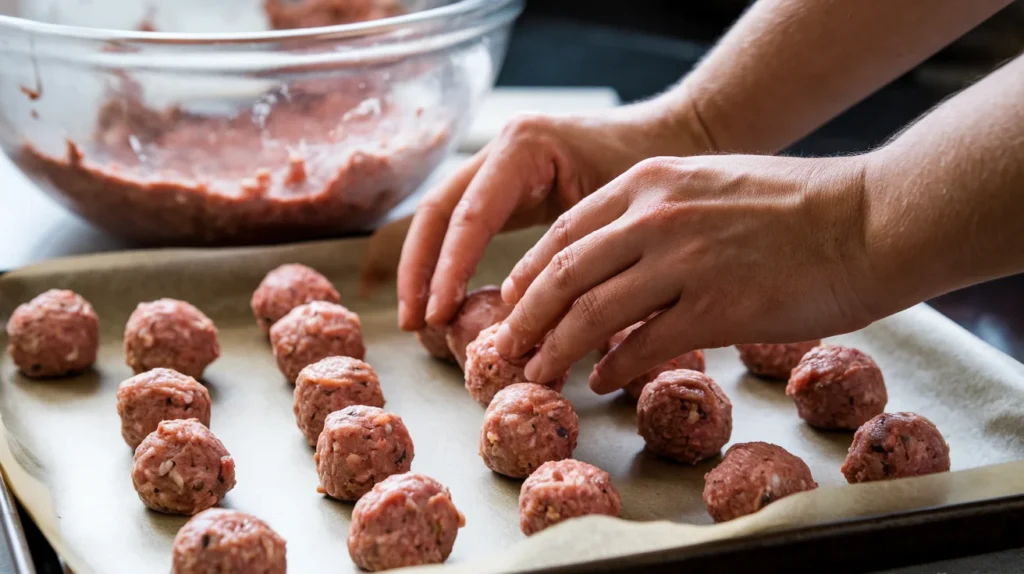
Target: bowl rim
<point>446,13</point>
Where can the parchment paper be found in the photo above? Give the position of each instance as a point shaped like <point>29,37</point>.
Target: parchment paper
<point>65,460</point>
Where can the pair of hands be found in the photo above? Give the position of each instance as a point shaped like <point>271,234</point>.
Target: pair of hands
<point>725,249</point>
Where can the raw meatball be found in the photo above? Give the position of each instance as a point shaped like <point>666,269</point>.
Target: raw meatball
<point>753,475</point>
<point>774,361</point>
<point>435,342</point>
<point>482,308</point>
<point>405,520</point>
<point>220,541</point>
<point>159,395</point>
<point>525,426</point>
<point>315,331</point>
<point>564,489</point>
<point>359,447</point>
<point>55,334</point>
<point>837,388</point>
<point>895,445</point>
<point>685,416</point>
<point>287,287</point>
<point>182,468</point>
<point>290,14</point>
<point>487,372</point>
<point>171,334</point>
<point>694,361</point>
<point>331,385</point>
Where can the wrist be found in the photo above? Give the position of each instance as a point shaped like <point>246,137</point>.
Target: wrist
<point>669,125</point>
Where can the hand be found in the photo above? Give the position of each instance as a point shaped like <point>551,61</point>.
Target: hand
<point>538,167</point>
<point>728,249</point>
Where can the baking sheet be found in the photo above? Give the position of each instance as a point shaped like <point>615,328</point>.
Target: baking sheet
<point>64,458</point>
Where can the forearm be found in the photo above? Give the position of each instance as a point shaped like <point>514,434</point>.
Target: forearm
<point>944,202</point>
<point>788,66</point>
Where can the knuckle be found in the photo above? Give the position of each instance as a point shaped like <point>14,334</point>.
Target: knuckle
<point>563,270</point>
<point>527,124</point>
<point>554,347</point>
<point>560,230</point>
<point>654,167</point>
<point>590,311</point>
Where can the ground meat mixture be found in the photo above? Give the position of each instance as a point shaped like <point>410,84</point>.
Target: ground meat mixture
<point>315,331</point>
<point>895,445</point>
<point>287,287</point>
<point>221,541</point>
<point>433,340</point>
<point>487,372</point>
<point>694,361</point>
<point>292,14</point>
<point>54,334</point>
<point>774,361</point>
<point>837,388</point>
<point>182,468</point>
<point>171,334</point>
<point>525,426</point>
<point>753,475</point>
<point>685,416</point>
<point>406,520</point>
<point>331,385</point>
<point>481,308</point>
<point>146,399</point>
<point>564,489</point>
<point>359,447</point>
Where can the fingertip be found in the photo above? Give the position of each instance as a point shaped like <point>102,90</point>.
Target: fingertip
<point>503,342</point>
<point>508,291</point>
<point>598,384</point>
<point>405,322</point>
<point>534,370</point>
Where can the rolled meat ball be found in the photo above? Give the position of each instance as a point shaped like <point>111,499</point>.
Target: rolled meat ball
<point>895,445</point>
<point>487,372</point>
<point>751,476</point>
<point>54,334</point>
<point>359,447</point>
<point>405,520</point>
<point>330,385</point>
<point>774,361</point>
<point>482,308</point>
<point>837,388</point>
<point>564,489</point>
<point>684,416</point>
<point>182,468</point>
<point>693,360</point>
<point>435,341</point>
<point>171,334</point>
<point>287,287</point>
<point>159,395</point>
<point>224,541</point>
<point>315,331</point>
<point>525,426</point>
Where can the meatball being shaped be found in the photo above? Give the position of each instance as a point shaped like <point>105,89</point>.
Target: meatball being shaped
<point>315,331</point>
<point>774,361</point>
<point>405,520</point>
<point>54,334</point>
<point>330,385</point>
<point>227,542</point>
<point>564,489</point>
<point>487,372</point>
<point>435,342</point>
<point>482,308</point>
<point>359,447</point>
<point>685,416</point>
<point>159,395</point>
<point>694,361</point>
<point>753,475</point>
<point>182,468</point>
<point>837,388</point>
<point>895,445</point>
<point>171,334</point>
<point>525,426</point>
<point>287,287</point>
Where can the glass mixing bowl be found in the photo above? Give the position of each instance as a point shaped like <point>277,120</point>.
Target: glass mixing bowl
<point>190,122</point>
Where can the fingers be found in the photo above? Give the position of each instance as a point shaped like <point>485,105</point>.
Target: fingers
<point>667,335</point>
<point>423,243</point>
<point>594,212</point>
<point>488,203</point>
<point>597,315</point>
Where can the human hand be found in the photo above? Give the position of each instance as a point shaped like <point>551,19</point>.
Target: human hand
<point>726,249</point>
<point>538,167</point>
